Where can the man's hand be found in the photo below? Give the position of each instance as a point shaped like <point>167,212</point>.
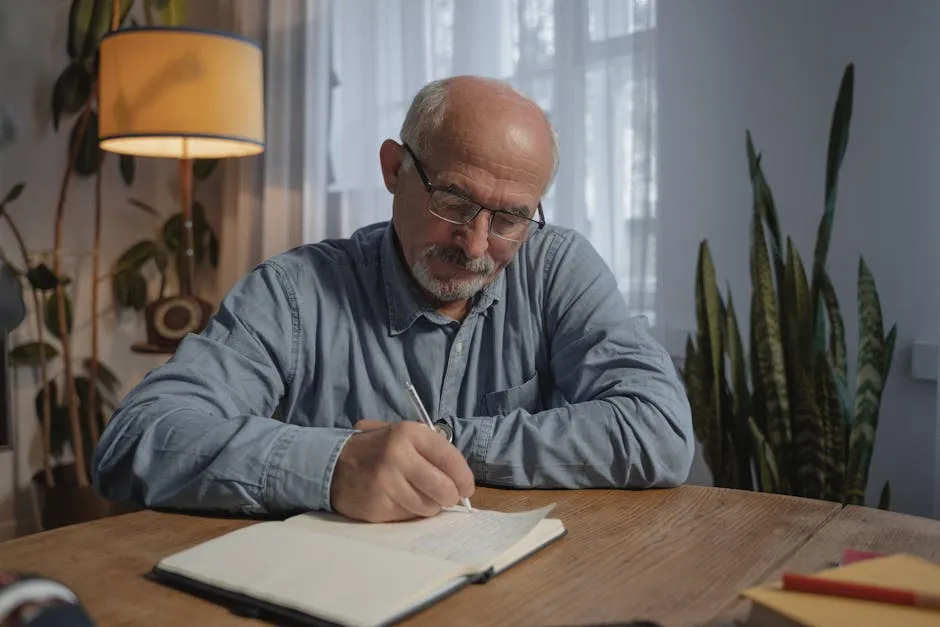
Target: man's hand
<point>398,471</point>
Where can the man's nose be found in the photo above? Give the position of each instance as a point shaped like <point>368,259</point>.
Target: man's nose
<point>474,238</point>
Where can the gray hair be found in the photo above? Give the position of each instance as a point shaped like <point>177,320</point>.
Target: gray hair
<point>425,117</point>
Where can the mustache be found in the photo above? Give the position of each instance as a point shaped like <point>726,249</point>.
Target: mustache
<point>456,256</point>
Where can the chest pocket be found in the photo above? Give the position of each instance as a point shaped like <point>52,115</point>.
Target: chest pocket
<point>527,396</point>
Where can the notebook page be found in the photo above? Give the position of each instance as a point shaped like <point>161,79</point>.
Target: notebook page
<point>333,579</point>
<point>474,538</point>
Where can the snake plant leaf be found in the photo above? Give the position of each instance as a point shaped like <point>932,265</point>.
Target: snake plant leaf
<point>740,394</point>
<point>713,310</point>
<point>868,386</point>
<point>836,327</point>
<point>889,349</point>
<point>834,427</point>
<point>838,142</point>
<point>839,133</point>
<point>767,463</point>
<point>884,501</point>
<point>698,389</point>
<point>795,317</point>
<point>768,341</point>
<point>809,438</point>
<point>764,205</point>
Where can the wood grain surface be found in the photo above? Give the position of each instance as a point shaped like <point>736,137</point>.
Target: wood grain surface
<point>677,556</point>
<point>862,528</point>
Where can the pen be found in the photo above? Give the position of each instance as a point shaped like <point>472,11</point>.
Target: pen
<point>423,414</point>
<point>865,592</point>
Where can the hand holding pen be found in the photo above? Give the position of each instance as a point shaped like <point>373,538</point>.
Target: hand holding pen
<point>426,419</point>
<point>391,471</point>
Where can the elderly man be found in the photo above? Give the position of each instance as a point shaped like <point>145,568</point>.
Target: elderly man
<point>512,331</point>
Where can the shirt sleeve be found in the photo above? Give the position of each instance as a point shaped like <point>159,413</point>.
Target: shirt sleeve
<point>627,422</point>
<point>198,433</point>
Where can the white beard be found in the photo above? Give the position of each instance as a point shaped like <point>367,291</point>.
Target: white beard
<point>449,290</point>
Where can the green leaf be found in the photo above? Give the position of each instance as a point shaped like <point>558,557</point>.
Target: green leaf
<point>767,461</point>
<point>52,313</point>
<point>126,163</point>
<point>12,306</point>
<point>203,168</point>
<point>740,396</point>
<point>172,12</point>
<point>137,255</point>
<point>765,207</point>
<point>709,311</point>
<point>100,24</point>
<point>106,377</point>
<point>836,327</point>
<point>839,131</point>
<point>42,278</point>
<point>144,206</point>
<point>868,385</point>
<point>769,344</point>
<point>80,17</point>
<point>173,233</point>
<point>130,289</point>
<point>698,389</point>
<point>89,156</point>
<point>838,142</point>
<point>30,353</point>
<point>884,501</point>
<point>889,349</point>
<point>13,194</point>
<point>71,91</point>
<point>213,250</point>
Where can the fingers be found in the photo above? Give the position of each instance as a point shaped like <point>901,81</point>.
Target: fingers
<point>445,457</point>
<point>431,481</point>
<point>369,425</point>
<point>408,497</point>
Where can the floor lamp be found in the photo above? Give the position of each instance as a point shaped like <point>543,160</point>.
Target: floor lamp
<point>185,94</point>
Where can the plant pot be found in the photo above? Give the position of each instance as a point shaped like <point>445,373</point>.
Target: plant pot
<point>67,504</point>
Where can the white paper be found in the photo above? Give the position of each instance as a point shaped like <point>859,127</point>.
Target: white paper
<point>472,538</point>
<point>338,580</point>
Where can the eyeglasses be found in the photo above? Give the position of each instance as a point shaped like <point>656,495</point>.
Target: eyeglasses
<point>454,207</point>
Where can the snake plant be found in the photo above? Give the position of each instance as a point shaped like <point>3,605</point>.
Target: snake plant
<point>777,414</point>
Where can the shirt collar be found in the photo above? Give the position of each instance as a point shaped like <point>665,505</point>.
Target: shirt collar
<point>405,301</point>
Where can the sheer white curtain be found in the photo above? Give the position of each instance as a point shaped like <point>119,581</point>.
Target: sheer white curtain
<point>589,63</point>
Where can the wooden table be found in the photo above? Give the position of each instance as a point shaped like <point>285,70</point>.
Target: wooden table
<point>679,557</point>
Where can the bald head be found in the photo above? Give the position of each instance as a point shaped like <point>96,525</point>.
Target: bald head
<point>474,113</point>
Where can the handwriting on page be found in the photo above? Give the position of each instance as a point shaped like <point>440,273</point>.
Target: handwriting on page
<point>473,538</point>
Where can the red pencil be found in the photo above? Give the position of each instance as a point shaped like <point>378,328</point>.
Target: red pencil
<point>866,592</point>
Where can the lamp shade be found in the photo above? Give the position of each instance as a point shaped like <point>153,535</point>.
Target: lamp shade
<point>181,93</point>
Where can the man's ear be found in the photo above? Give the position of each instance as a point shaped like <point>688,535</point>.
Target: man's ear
<point>391,157</point>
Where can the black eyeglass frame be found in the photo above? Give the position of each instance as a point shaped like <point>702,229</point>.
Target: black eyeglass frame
<point>539,224</point>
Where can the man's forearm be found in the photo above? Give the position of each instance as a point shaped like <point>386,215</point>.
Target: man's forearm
<point>172,457</point>
<point>615,442</point>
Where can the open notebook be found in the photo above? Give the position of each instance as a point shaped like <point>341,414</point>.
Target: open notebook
<point>321,568</point>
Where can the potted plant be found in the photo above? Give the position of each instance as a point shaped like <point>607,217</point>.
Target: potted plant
<point>785,419</point>
<point>71,402</point>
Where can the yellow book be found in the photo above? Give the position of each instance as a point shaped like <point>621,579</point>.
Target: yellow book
<point>772,606</point>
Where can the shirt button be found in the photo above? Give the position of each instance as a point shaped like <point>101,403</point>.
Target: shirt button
<point>459,347</point>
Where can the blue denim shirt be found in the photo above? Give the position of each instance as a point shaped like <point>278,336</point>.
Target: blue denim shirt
<point>547,383</point>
